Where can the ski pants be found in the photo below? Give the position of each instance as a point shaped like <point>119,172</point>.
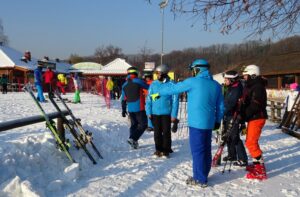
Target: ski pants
<point>138,124</point>
<point>235,146</point>
<point>77,96</point>
<point>253,133</point>
<point>40,95</point>
<point>162,132</point>
<point>200,144</point>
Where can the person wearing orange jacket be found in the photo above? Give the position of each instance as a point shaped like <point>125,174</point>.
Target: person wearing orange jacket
<point>255,113</point>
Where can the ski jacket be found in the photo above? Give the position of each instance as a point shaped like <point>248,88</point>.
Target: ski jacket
<point>110,85</point>
<point>205,99</point>
<point>165,105</point>
<point>3,80</point>
<point>132,94</point>
<point>48,75</point>
<point>149,82</point>
<point>255,100</point>
<point>231,99</point>
<point>77,83</point>
<point>290,100</point>
<point>62,79</point>
<point>38,76</point>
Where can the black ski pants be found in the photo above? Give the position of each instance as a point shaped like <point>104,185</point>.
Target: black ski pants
<point>162,132</point>
<point>138,124</point>
<point>235,146</point>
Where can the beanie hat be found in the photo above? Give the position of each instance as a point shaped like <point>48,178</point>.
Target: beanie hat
<point>293,86</point>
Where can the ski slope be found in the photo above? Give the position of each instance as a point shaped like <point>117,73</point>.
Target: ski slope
<point>30,165</point>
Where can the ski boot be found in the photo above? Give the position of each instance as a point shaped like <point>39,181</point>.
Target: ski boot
<point>258,172</point>
<point>192,181</point>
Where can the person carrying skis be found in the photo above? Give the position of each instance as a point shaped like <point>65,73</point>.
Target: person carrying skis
<point>132,98</point>
<point>205,111</point>
<point>77,86</point>
<point>235,146</point>
<point>255,113</point>
<point>38,80</point>
<point>162,112</point>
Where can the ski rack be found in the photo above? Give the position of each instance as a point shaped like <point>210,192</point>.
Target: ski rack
<point>77,124</point>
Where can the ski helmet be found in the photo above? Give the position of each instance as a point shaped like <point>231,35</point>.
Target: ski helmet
<point>231,74</point>
<point>251,70</point>
<point>163,69</point>
<point>132,70</point>
<point>199,63</point>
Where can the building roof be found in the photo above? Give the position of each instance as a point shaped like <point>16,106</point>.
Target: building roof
<point>86,68</point>
<point>116,67</point>
<point>10,58</point>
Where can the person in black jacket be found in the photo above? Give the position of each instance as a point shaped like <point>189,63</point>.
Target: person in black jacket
<point>255,113</point>
<point>235,146</point>
<point>133,99</point>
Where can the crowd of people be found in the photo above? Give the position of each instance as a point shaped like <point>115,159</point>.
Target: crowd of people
<point>240,105</point>
<point>52,82</point>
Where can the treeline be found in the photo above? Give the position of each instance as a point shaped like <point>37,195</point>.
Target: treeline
<point>281,55</point>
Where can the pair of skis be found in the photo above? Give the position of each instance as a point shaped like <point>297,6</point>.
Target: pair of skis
<point>80,139</point>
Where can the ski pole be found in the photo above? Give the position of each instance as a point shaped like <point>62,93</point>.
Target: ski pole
<point>224,167</point>
<point>230,164</point>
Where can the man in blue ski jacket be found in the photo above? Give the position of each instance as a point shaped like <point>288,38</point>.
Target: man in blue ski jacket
<point>38,79</point>
<point>205,111</point>
<point>162,112</point>
<point>133,98</point>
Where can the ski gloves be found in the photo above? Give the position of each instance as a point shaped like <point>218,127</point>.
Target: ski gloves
<point>175,126</point>
<point>217,125</point>
<point>155,96</point>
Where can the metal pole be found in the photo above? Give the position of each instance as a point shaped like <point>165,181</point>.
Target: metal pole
<point>162,35</point>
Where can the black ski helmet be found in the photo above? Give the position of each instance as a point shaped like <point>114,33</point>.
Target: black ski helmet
<point>132,70</point>
<point>232,75</point>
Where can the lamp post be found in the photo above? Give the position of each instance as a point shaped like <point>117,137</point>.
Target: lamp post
<point>162,5</point>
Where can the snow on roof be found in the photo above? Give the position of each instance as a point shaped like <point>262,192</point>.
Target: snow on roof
<point>117,66</point>
<point>86,68</point>
<point>10,57</point>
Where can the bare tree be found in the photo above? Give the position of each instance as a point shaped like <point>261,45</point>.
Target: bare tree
<point>3,37</point>
<point>106,54</point>
<point>281,17</point>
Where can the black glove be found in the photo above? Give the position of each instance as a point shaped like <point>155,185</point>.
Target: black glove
<point>124,113</point>
<point>217,125</point>
<point>175,126</point>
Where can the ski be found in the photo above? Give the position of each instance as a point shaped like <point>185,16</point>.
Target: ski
<point>50,125</point>
<point>79,140</point>
<point>85,134</point>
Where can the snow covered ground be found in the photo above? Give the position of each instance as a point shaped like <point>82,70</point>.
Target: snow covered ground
<point>30,165</point>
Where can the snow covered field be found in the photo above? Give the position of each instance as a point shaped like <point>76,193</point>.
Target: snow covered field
<point>30,165</point>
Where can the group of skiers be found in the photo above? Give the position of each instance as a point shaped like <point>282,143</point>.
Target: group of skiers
<point>207,107</point>
<point>48,78</point>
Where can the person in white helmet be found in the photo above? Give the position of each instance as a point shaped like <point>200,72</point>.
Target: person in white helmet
<point>254,112</point>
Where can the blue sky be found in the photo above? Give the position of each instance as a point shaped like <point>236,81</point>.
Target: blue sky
<point>58,28</point>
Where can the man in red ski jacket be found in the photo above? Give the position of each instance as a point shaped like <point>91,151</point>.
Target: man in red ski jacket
<point>49,76</point>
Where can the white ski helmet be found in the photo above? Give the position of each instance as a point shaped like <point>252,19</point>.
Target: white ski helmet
<point>251,70</point>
